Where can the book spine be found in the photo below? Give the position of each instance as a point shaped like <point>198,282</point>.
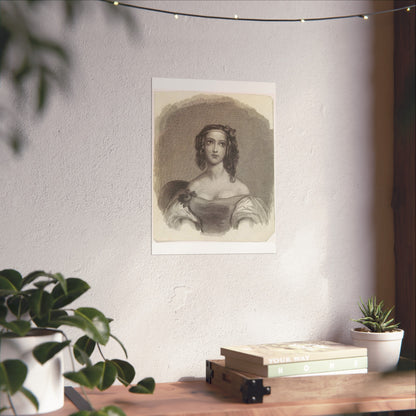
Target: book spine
<point>288,369</point>
<point>333,373</point>
<point>312,367</point>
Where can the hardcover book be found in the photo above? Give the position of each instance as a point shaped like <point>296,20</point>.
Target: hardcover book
<point>292,352</point>
<point>299,368</point>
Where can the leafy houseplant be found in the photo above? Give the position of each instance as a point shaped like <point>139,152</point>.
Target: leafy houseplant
<point>40,302</point>
<point>381,335</point>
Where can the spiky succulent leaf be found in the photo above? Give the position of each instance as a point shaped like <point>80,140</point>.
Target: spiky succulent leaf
<point>375,318</point>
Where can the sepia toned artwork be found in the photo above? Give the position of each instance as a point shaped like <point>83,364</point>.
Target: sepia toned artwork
<point>213,167</point>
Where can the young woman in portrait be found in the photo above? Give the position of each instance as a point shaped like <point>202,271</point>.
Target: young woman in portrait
<point>216,201</point>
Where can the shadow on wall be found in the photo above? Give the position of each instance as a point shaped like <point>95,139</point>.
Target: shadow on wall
<point>382,147</point>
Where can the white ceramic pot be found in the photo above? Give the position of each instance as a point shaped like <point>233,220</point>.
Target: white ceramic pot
<point>44,381</point>
<point>383,348</point>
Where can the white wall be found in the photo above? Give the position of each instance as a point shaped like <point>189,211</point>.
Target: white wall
<point>78,200</point>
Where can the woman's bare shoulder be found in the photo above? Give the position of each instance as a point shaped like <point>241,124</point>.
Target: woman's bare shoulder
<point>241,188</point>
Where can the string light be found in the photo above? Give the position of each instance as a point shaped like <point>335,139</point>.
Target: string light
<point>249,19</point>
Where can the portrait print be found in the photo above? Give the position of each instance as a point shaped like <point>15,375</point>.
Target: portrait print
<point>213,167</point>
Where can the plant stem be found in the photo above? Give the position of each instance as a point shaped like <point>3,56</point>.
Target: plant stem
<point>9,398</point>
<point>73,369</point>
<point>101,353</point>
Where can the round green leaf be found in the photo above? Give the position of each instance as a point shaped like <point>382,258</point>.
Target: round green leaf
<point>75,288</point>
<point>13,276</point>
<point>18,305</point>
<point>40,304</point>
<point>88,377</point>
<point>7,287</point>
<point>3,312</point>
<point>18,327</point>
<point>108,374</point>
<point>83,413</point>
<point>97,327</point>
<point>45,351</point>
<point>110,411</point>
<point>145,386</point>
<point>30,396</point>
<point>54,316</point>
<point>125,371</point>
<point>83,349</point>
<point>12,375</point>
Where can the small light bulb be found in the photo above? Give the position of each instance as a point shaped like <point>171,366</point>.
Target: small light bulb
<point>115,3</point>
<point>302,20</point>
<point>408,9</point>
<point>236,16</point>
<point>365,17</point>
<point>176,16</point>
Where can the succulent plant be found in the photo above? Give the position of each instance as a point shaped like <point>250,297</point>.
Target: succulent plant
<point>375,317</point>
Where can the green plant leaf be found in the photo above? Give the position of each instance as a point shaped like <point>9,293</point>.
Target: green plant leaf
<point>55,316</point>
<point>83,348</point>
<point>18,305</point>
<point>105,411</point>
<point>6,287</point>
<point>40,304</point>
<point>98,328</point>
<point>45,351</point>
<point>94,324</point>
<point>62,281</point>
<point>3,312</point>
<point>125,371</point>
<point>75,321</point>
<point>53,278</point>
<point>145,386</point>
<point>108,374</point>
<point>18,327</point>
<point>29,395</point>
<point>13,276</point>
<point>88,376</point>
<point>110,411</point>
<point>75,288</point>
<point>83,413</point>
<point>374,317</point>
<point>43,284</point>
<point>12,375</point>
<point>31,277</point>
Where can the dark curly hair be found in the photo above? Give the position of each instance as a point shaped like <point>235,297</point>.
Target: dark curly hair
<point>231,153</point>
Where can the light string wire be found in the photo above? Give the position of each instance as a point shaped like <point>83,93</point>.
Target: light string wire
<point>249,19</point>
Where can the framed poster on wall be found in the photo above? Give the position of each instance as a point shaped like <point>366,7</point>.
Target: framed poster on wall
<point>213,157</point>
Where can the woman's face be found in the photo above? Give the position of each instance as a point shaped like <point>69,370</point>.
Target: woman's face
<point>215,146</point>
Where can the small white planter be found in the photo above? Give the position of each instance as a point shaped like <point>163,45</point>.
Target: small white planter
<point>383,348</point>
<point>44,381</point>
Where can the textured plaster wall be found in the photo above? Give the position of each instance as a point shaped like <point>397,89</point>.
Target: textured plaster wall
<point>78,200</point>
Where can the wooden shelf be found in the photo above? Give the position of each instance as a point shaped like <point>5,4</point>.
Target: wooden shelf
<point>374,393</point>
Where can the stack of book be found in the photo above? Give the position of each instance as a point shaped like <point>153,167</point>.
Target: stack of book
<point>296,359</point>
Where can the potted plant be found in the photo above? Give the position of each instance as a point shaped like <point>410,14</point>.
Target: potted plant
<point>380,335</point>
<point>34,310</point>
